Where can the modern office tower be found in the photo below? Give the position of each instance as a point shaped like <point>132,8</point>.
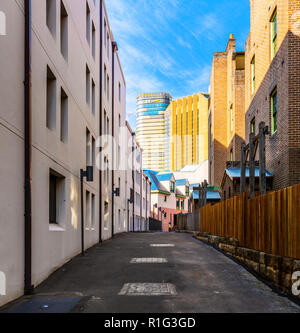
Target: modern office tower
<point>186,132</point>
<point>151,128</point>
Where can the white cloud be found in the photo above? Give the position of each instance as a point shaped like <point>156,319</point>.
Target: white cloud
<point>148,64</point>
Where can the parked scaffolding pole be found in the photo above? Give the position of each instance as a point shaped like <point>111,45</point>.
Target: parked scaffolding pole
<point>251,166</point>
<point>243,168</point>
<point>205,193</point>
<point>262,158</point>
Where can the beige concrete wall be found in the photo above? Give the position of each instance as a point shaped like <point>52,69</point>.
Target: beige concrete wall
<point>52,245</point>
<point>11,151</point>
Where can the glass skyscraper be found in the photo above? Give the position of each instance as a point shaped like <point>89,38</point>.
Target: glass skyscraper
<point>150,128</point>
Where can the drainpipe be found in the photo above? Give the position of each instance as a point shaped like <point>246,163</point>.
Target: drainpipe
<point>114,48</point>
<point>101,120</point>
<point>133,181</point>
<point>28,287</point>
<point>141,200</point>
<point>146,201</point>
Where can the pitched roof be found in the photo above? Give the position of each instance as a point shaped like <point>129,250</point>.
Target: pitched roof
<point>190,168</point>
<point>181,182</point>
<point>236,172</point>
<point>164,177</point>
<point>155,184</point>
<point>210,195</point>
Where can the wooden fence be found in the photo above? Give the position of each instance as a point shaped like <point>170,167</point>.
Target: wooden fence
<point>268,223</point>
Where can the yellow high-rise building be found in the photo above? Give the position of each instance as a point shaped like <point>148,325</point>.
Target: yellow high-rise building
<point>186,130</point>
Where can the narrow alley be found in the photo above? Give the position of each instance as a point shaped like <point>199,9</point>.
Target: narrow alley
<point>152,273</point>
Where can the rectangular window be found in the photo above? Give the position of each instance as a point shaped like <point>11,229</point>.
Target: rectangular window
<point>107,87</point>
<point>182,205</point>
<point>64,116</point>
<point>63,31</point>
<point>187,191</point>
<point>106,214</point>
<point>107,171</point>
<point>93,97</point>
<point>119,218</point>
<point>104,123</point>
<point>52,199</point>
<point>166,199</point>
<point>105,175</point>
<point>172,187</point>
<point>88,85</point>
<point>119,92</point>
<point>56,198</point>
<point>252,126</point>
<point>273,34</point>
<point>51,16</point>
<point>231,118</point>
<point>253,75</point>
<point>93,152</point>
<point>93,40</point>
<point>88,20</point>
<point>105,75</point>
<point>88,210</point>
<point>51,100</point>
<point>105,33</point>
<point>231,155</point>
<point>107,45</point>
<point>93,211</point>
<point>88,147</point>
<point>274,111</point>
<point>138,178</point>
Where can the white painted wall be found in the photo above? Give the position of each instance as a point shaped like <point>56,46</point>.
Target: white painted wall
<point>52,246</point>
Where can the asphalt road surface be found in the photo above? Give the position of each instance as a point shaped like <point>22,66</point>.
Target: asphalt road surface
<point>178,274</point>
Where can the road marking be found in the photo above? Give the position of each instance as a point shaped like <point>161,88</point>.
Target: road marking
<point>148,289</point>
<point>148,261</point>
<point>162,245</point>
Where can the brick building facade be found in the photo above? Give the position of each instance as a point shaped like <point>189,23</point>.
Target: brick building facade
<point>226,121</point>
<point>272,70</point>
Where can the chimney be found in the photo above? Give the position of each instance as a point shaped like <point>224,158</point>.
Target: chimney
<point>231,44</point>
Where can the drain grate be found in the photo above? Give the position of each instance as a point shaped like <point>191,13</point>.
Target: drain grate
<point>162,245</point>
<point>148,261</point>
<point>148,289</point>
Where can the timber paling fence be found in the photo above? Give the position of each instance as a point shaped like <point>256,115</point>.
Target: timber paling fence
<point>269,223</point>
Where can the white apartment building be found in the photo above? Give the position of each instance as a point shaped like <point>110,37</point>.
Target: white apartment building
<point>139,187</point>
<point>78,93</point>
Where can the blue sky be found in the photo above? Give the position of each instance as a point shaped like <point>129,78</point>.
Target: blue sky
<point>168,45</point>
